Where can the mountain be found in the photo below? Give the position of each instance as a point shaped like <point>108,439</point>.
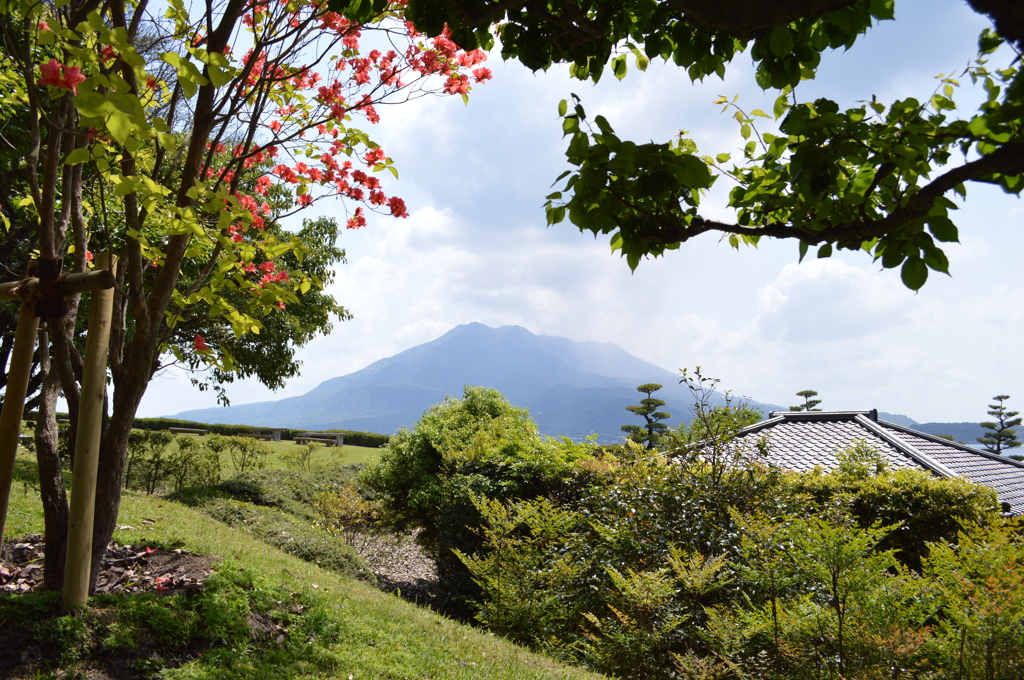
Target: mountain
<point>572,389</point>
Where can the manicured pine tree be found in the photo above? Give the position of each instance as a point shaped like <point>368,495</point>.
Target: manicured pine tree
<point>647,409</point>
<point>809,403</point>
<point>1002,435</point>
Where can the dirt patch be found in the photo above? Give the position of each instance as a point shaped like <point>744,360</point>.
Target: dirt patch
<point>126,569</point>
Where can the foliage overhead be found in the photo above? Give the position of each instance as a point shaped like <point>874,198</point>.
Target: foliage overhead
<point>873,176</point>
<point>180,139</point>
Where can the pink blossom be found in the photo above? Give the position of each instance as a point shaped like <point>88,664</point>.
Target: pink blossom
<point>60,75</point>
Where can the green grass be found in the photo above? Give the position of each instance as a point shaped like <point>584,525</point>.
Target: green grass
<point>364,633</point>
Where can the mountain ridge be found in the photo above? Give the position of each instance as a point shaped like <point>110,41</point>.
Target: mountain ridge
<point>571,388</point>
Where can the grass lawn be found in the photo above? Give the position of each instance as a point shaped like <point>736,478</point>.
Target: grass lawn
<point>371,634</point>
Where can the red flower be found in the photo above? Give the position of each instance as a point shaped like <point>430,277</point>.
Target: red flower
<point>200,344</point>
<point>88,256</point>
<point>60,75</point>
<point>43,27</point>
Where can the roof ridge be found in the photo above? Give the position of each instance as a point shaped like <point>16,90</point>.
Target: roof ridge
<point>908,449</point>
<point>957,445</point>
<point>823,415</point>
<point>757,427</point>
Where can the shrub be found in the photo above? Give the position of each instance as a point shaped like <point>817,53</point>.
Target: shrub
<point>301,458</point>
<point>663,568</point>
<point>479,445</point>
<point>146,467</point>
<point>920,507</point>
<point>247,453</point>
<point>193,464</point>
<point>345,512</point>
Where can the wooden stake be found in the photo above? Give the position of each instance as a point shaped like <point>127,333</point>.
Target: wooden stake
<point>68,284</point>
<point>87,448</point>
<point>14,401</point>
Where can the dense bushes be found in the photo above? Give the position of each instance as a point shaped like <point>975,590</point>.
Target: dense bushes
<point>158,459</point>
<point>706,563</point>
<point>678,569</point>
<point>479,445</point>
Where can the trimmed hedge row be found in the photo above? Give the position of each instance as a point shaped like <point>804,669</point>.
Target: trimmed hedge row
<point>352,438</point>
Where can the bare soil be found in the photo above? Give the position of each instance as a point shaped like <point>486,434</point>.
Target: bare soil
<point>126,569</point>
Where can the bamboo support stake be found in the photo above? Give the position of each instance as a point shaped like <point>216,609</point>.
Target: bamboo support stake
<point>87,448</point>
<point>14,401</point>
<point>68,284</point>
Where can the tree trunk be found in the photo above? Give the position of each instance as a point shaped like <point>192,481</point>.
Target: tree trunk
<point>114,452</point>
<point>51,479</point>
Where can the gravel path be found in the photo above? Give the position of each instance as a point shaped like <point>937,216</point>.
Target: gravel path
<point>399,563</point>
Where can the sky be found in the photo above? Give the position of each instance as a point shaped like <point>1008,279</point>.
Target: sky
<point>476,248</point>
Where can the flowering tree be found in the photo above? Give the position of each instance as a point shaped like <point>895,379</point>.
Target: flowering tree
<point>178,143</point>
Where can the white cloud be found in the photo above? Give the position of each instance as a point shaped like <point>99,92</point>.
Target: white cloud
<point>476,249</point>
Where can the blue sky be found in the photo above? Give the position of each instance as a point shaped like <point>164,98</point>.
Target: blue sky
<point>476,248</point>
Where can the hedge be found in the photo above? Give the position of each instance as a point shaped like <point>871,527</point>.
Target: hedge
<point>352,438</point>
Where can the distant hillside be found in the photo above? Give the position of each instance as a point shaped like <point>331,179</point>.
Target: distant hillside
<point>572,389</point>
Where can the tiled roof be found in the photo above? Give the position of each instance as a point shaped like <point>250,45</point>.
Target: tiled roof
<point>805,440</point>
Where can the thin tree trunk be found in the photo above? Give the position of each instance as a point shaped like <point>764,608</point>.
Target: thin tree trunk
<point>113,454</point>
<point>51,478</point>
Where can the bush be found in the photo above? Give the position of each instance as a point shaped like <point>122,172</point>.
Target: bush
<point>301,458</point>
<point>146,467</point>
<point>193,464</point>
<point>246,453</point>
<point>345,512</point>
<point>920,507</point>
<point>740,571</point>
<point>479,445</point>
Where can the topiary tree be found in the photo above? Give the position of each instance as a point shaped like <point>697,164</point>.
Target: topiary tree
<point>1002,435</point>
<point>809,403</point>
<point>647,409</point>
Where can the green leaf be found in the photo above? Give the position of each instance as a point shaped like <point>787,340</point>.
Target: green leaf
<point>77,156</point>
<point>914,273</point>
<point>120,126</point>
<point>563,106</point>
<point>619,67</point>
<point>943,229</point>
<point>90,104</point>
<point>825,251</point>
<point>781,41</point>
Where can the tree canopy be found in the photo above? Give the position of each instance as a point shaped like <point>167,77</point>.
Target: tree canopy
<point>180,139</point>
<point>873,176</point>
